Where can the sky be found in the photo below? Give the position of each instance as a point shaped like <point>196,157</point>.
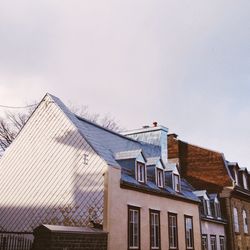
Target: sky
<point>184,64</point>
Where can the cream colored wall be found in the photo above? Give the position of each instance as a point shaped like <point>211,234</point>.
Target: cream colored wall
<point>210,228</point>
<point>115,214</point>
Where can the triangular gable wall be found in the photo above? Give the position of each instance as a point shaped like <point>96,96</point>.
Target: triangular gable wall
<point>50,174</point>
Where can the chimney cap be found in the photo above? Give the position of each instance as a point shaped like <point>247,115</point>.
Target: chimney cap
<point>173,135</point>
<point>155,124</point>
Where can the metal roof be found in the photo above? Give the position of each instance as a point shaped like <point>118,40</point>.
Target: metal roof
<point>105,142</point>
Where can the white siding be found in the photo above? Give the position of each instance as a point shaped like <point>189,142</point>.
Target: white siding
<point>50,175</point>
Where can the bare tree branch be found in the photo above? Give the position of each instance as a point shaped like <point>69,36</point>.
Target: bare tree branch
<point>13,122</point>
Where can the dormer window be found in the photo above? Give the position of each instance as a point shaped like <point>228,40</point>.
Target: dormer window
<point>141,172</point>
<point>236,177</point>
<point>159,177</point>
<point>245,181</point>
<point>217,211</point>
<point>176,183</point>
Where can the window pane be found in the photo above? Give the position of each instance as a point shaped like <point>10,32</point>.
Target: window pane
<point>155,230</point>
<point>213,242</point>
<point>236,220</point>
<point>222,243</point>
<point>204,242</point>
<point>133,229</point>
<point>172,227</point>
<point>189,232</point>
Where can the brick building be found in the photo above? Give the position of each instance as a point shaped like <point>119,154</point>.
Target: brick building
<point>207,168</point>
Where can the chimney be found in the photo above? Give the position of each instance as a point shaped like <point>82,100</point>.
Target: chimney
<point>156,135</point>
<point>172,136</point>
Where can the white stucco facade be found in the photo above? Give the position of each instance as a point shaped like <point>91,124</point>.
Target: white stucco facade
<point>117,200</point>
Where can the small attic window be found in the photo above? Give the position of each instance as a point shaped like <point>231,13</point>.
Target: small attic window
<point>245,181</point>
<point>236,177</point>
<point>159,177</point>
<point>141,172</point>
<point>176,183</point>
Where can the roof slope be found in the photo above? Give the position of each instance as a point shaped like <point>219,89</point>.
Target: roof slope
<point>105,142</point>
<point>200,166</point>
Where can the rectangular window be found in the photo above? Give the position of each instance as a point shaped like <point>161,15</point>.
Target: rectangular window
<point>133,227</point>
<point>217,209</point>
<point>213,242</point>
<point>222,243</point>
<point>189,232</point>
<point>159,177</point>
<point>204,242</point>
<point>154,229</point>
<point>177,183</point>
<point>141,173</point>
<point>172,231</point>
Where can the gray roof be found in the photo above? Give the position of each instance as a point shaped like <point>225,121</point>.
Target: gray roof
<point>105,142</point>
<point>132,154</point>
<point>112,147</point>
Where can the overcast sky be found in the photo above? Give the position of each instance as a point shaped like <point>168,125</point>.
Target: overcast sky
<point>185,64</point>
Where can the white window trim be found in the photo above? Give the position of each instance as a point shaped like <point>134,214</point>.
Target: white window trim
<point>245,221</point>
<point>159,183</point>
<point>236,220</point>
<point>236,177</point>
<point>139,166</point>
<point>174,184</point>
<point>245,184</point>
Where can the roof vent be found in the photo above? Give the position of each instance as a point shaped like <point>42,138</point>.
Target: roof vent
<point>155,124</point>
<point>145,126</point>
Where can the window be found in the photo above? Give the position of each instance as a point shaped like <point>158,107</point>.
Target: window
<point>236,220</point>
<point>217,211</point>
<point>222,243</point>
<point>236,177</point>
<point>206,206</point>
<point>177,183</point>
<point>154,229</point>
<point>159,177</point>
<point>172,231</point>
<point>213,242</point>
<point>244,214</point>
<point>189,232</point>
<point>204,242</point>
<point>133,227</point>
<point>245,181</point>
<point>141,173</point>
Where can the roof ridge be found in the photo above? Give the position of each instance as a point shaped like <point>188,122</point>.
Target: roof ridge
<point>205,148</point>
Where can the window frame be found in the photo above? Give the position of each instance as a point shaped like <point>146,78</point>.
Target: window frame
<point>217,209</point>
<point>245,221</point>
<point>177,240</point>
<point>213,236</point>
<point>185,227</point>
<point>159,170</point>
<point>152,211</point>
<point>236,220</point>
<point>130,207</point>
<point>244,180</point>
<point>176,187</point>
<point>202,237</point>
<point>139,166</point>
<point>221,237</point>
<point>236,177</point>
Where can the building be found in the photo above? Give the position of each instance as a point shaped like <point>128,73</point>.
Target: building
<point>213,233</point>
<point>64,170</point>
<point>208,169</point>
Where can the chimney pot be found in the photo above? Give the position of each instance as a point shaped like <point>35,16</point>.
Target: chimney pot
<point>154,124</point>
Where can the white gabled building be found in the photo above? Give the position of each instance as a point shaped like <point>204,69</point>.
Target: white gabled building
<point>64,170</point>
